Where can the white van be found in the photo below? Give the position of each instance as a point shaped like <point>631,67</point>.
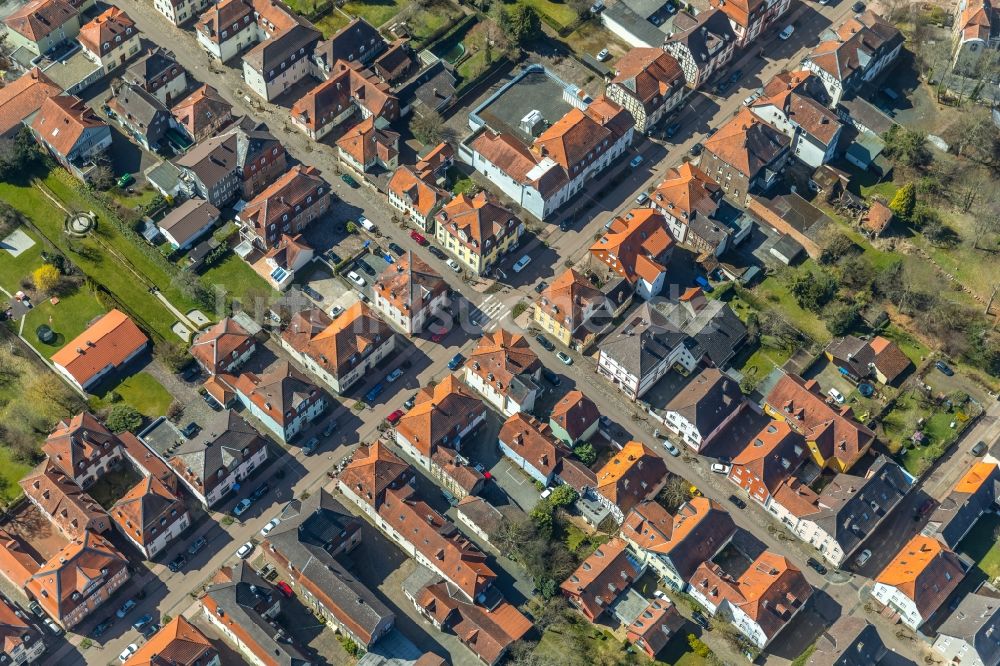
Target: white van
<point>366,223</point>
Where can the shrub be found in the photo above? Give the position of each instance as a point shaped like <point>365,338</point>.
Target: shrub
<point>585,453</point>
<point>698,646</point>
<point>519,309</point>
<point>46,278</point>
<point>903,202</point>
<point>122,418</point>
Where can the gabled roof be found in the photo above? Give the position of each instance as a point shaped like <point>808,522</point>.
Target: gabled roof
<point>605,574</point>
<point>412,188</point>
<point>156,63</point>
<point>78,440</point>
<point>631,475</point>
<point>570,299</point>
<point>477,222</point>
<point>237,148</point>
<point>215,345</point>
<point>62,120</point>
<point>410,284</point>
<point>773,454</point>
<point>889,358</point>
<point>201,110</point>
<point>349,83</point>
<point>365,142</point>
<point>505,361</point>
<point>517,161</point>
<point>747,143</point>
<point>573,139</point>
<point>372,471</point>
<point>712,33</point>
<point>697,531</point>
<point>339,345</point>
<point>358,41</point>
<point>110,340</point>
<point>434,159</point>
<point>440,411</point>
<point>72,509</point>
<point>39,18</point>
<point>179,643</point>
<point>533,441</point>
<point>740,12</point>
<point>278,392</point>
<point>687,192</point>
<point>976,621</point>
<point>642,341</point>
<point>925,571</point>
<point>72,571</point>
<point>854,45</point>
<point>282,197</point>
<point>140,512</point>
<point>225,441</point>
<point>977,19</point>
<point>222,15</point>
<point>814,118</point>
<point>635,246</point>
<point>850,641</point>
<point>574,413</point>
<point>649,75</point>
<point>707,400</point>
<point>24,97</point>
<point>656,625</point>
<point>285,43</point>
<point>105,32</point>
<point>15,629</point>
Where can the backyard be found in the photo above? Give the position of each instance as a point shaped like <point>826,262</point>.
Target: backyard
<point>237,279</point>
<point>377,13</point>
<point>560,14</point>
<point>982,544</point>
<point>904,420</point>
<point>68,318</point>
<point>141,391</point>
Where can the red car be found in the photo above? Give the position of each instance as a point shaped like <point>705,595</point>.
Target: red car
<point>417,237</point>
<point>393,418</point>
<point>437,337</point>
<point>285,589</point>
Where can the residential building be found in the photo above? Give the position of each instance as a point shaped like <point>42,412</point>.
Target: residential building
<point>750,18</point>
<point>369,146</point>
<point>373,471</point>
<point>63,502</point>
<point>976,32</point>
<point>532,447</point>
<point>340,351</point>
<point>760,602</point>
<point>22,642</point>
<point>433,166</point>
<point>645,24</point>
<point>358,41</point>
<point>649,84</point>
<point>111,39</point>
<point>655,626</point>
<point>106,346</point>
<point>305,546</point>
<point>224,453</point>
<point>576,312</point>
<point>78,579</point>
<point>875,221</point>
<point>968,636</point>
<point>705,47</point>
<point>632,475</point>
<point>280,264</point>
<point>813,130</point>
<point>419,198</point>
<point>697,213</point>
<point>478,231</point>
<point>853,54</point>
<point>203,113</point>
<point>242,606</point>
<point>850,641</point>
<point>918,580</point>
<point>601,578</point>
<point>21,99</point>
<point>880,359</point>
<point>674,546</point>
<point>746,155</point>
<point>42,25</point>
<point>82,448</point>
<point>223,347</point>
<point>975,493</point>
<point>159,74</point>
<point>442,415</point>
<point>227,28</point>
<point>347,90</point>
<point>72,133</point>
<point>238,164</point>
<point>409,293</point>
<point>703,408</point>
<point>179,643</point>
<point>768,460</point>
<point>180,12</point>
<point>574,418</point>
<point>846,512</point>
<point>551,164</point>
<point>637,247</point>
<point>834,437</point>
<point>505,371</point>
<point>282,398</point>
<point>141,115</point>
<point>151,516</point>
<point>281,59</point>
<point>485,519</point>
<point>286,207</point>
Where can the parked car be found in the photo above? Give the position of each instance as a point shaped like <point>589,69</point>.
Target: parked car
<point>566,225</point>
<point>264,531</point>
<point>944,368</point>
<point>672,130</point>
<point>368,225</point>
<point>858,7</point>
<point>671,449</point>
<point>636,161</point>
<point>979,448</point>
<point>816,566</point>
<point>551,377</point>
<point>393,418</point>
<point>786,32</point>
<point>196,547</point>
<point>926,507</point>
<point>52,626</point>
<point>737,502</point>
<point>393,376</point>
<point>244,551</point>
<point>522,263</point>
<point>142,622</point>
<point>721,468</point>
<point>836,395</point>
<point>418,238</point>
<point>35,609</point>
<point>696,149</point>
<point>455,362</point>
<point>722,87</point>
<point>545,342</point>
<point>103,626</point>
<point>349,180</point>
<point>260,491</point>
<point>701,620</point>
<point>127,653</point>
<point>150,629</point>
<point>366,268</point>
<point>177,563</point>
<point>355,278</point>
<point>190,430</point>
<point>453,265</point>
<point>736,75</point>
<point>125,608</point>
<point>540,287</point>
<point>603,55</point>
<point>397,249</point>
<point>311,446</point>
<point>285,589</point>
<point>564,357</point>
<point>333,257</point>
<point>242,507</point>
<point>437,252</point>
<point>642,198</point>
<point>375,392</point>
<point>330,428</point>
<point>545,493</point>
<point>412,400</point>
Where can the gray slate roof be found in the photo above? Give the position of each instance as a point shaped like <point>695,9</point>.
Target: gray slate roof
<point>714,330</point>
<point>151,66</point>
<point>638,345</point>
<point>224,442</point>
<point>707,400</point>
<point>850,641</point>
<point>143,112</point>
<point>977,622</point>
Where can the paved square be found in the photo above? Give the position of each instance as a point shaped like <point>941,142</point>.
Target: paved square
<point>17,242</point>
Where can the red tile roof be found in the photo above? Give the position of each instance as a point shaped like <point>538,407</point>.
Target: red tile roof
<point>147,510</point>
<point>179,643</point>
<point>575,413</point>
<point>477,222</point>
<point>926,571</point>
<point>110,340</point>
<point>649,75</point>
<point>72,509</point>
<point>82,439</point>
<point>62,120</point>
<point>338,345</point>
<point>424,197</point>
<point>215,345</point>
<point>39,18</point>
<point>747,143</point>
<point>23,97</point>
<point>533,441</point>
<point>574,139</point>
<point>632,475</point>
<point>101,35</point>
<point>366,143</point>
<point>440,411</point>
<point>280,392</point>
<point>372,471</point>
<point>598,581</point>
<point>636,245</point>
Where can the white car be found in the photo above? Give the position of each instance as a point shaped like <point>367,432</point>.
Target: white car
<point>671,449</point>
<point>546,493</point>
<point>721,468</point>
<point>128,652</point>
<point>453,265</point>
<point>642,198</point>
<point>786,33</point>
<point>836,395</point>
<point>522,263</point>
<point>264,531</point>
<point>863,557</point>
<point>604,55</point>
<point>564,357</point>
<point>355,278</point>
<point>336,311</point>
<point>245,550</point>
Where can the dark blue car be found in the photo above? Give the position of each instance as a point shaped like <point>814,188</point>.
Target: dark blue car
<point>455,362</point>
<point>374,393</point>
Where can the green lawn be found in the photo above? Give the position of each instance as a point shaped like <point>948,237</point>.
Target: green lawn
<point>68,318</point>
<point>13,269</point>
<point>915,350</point>
<point>763,361</point>
<point>561,13</point>
<point>237,278</point>
<point>377,13</point>
<point>981,545</point>
<point>331,23</point>
<point>901,422</point>
<point>142,196</point>
<point>11,472</point>
<point>775,293</point>
<point>472,66</point>
<point>143,392</point>
<point>431,19</point>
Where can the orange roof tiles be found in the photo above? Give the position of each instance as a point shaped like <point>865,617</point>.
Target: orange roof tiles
<point>23,97</point>
<point>339,345</point>
<point>111,340</point>
<point>635,245</point>
<point>889,358</point>
<point>18,563</point>
<point>477,222</point>
<point>14,629</point>
<point>39,18</point>
<point>687,191</point>
<point>367,143</point>
<point>372,471</point>
<point>747,143</point>
<point>577,137</point>
<point>500,356</point>
<point>440,411</point>
<point>976,20</point>
<point>72,509</point>
<point>286,196</point>
<point>533,441</point>
<point>280,392</point>
<point>410,284</point>
<point>926,571</point>
<point>349,83</point>
<point>598,581</point>
<point>772,455</point>
<point>106,32</point>
<point>972,480</point>
<point>877,218</point>
<point>633,474</point>
<point>568,299</point>
<point>179,643</point>
<point>141,511</point>
<point>575,413</point>
<point>655,626</point>
<point>699,520</point>
<point>82,439</point>
<point>649,75</point>
<point>61,122</point>
<point>407,185</point>
<point>740,11</point>
<point>202,111</point>
<point>431,163</point>
<point>215,346</point>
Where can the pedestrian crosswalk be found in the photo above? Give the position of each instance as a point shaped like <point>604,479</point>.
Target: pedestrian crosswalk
<point>493,311</point>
